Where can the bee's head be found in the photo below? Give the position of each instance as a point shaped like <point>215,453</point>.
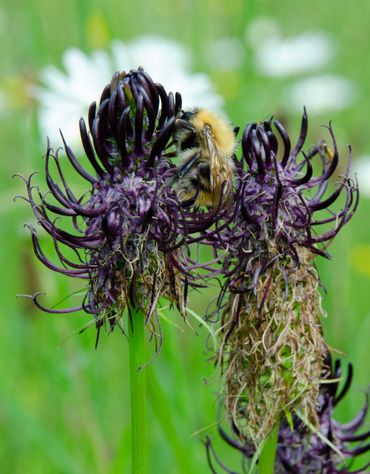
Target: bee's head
<point>186,114</point>
<point>185,134</point>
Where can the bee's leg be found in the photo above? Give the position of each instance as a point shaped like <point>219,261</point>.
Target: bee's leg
<point>184,169</point>
<point>169,154</point>
<point>185,134</point>
<point>188,165</point>
<point>184,124</point>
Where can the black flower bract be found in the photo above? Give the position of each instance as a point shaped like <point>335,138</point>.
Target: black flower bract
<point>279,199</point>
<point>126,231</point>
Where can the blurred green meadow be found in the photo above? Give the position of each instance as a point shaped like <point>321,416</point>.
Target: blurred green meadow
<point>64,406</point>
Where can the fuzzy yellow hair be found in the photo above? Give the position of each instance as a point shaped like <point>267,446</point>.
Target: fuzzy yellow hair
<point>222,132</point>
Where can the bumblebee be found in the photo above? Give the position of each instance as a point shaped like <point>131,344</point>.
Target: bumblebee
<point>205,144</point>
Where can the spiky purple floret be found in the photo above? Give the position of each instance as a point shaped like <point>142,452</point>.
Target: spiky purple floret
<point>299,451</point>
<point>126,232</point>
<point>279,200</point>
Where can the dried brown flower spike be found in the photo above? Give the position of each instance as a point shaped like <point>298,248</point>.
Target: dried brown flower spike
<point>272,347</point>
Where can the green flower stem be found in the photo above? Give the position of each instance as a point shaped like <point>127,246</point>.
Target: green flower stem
<point>267,459</point>
<point>139,436</point>
<point>160,402</point>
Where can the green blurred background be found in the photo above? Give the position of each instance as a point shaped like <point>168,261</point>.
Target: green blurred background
<point>63,404</point>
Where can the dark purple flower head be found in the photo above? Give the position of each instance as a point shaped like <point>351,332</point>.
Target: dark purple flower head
<point>124,234</point>
<point>299,450</point>
<point>281,206</point>
<point>272,347</point>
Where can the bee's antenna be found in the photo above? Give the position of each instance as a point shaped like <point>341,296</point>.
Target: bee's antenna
<point>236,130</point>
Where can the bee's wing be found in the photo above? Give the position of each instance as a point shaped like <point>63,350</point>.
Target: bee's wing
<point>214,159</point>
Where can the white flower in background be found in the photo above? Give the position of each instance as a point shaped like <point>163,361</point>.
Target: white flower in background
<point>280,57</point>
<point>67,94</point>
<point>361,169</point>
<point>276,56</point>
<point>285,57</point>
<point>261,29</point>
<point>225,53</point>
<point>168,63</point>
<point>322,93</point>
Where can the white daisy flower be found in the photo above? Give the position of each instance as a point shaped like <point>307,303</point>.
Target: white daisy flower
<point>284,57</point>
<point>66,95</point>
<point>276,56</point>
<point>261,29</point>
<point>326,92</point>
<point>168,63</point>
<point>361,169</point>
<point>225,53</point>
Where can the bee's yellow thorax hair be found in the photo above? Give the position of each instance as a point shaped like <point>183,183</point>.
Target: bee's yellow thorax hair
<point>222,132</point>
